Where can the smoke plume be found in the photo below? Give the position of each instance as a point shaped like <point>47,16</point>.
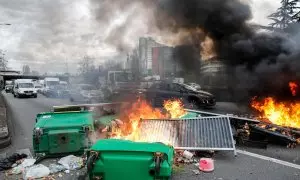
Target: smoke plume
<point>256,57</point>
<point>261,56</point>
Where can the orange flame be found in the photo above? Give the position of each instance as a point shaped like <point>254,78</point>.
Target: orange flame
<point>175,108</point>
<point>143,110</point>
<point>280,113</point>
<point>293,88</point>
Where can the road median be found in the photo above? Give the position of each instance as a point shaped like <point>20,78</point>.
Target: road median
<point>5,139</point>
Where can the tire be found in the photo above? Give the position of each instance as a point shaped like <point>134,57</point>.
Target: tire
<point>35,96</point>
<point>14,95</point>
<point>193,103</point>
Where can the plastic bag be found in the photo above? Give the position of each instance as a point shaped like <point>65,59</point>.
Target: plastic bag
<point>71,162</point>
<point>54,168</point>
<point>37,171</point>
<point>26,163</point>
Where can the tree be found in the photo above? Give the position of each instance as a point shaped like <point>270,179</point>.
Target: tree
<point>284,16</point>
<point>296,16</point>
<point>85,65</point>
<point>88,71</point>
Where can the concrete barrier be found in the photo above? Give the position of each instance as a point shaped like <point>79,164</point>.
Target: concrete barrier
<point>5,138</point>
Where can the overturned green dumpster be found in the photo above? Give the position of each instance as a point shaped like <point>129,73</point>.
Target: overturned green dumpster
<point>112,159</point>
<point>58,133</point>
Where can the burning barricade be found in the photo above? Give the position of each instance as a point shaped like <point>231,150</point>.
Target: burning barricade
<point>279,122</point>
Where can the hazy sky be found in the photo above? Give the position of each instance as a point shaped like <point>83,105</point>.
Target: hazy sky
<point>48,34</point>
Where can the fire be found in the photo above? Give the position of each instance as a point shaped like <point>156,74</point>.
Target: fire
<point>141,109</point>
<point>175,108</point>
<point>280,113</point>
<point>293,88</point>
<point>207,49</point>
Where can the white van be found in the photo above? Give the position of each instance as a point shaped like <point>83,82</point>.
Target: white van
<point>24,87</point>
<point>49,82</point>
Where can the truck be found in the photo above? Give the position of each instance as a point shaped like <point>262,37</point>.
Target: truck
<point>48,82</point>
<point>118,84</point>
<point>120,79</point>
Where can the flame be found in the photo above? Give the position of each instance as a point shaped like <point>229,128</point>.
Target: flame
<point>280,113</point>
<point>207,49</point>
<point>293,88</point>
<point>175,108</point>
<point>141,109</point>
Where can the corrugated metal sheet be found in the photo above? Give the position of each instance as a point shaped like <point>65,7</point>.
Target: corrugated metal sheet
<point>205,133</point>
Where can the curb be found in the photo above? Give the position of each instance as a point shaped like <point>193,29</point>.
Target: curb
<point>5,140</point>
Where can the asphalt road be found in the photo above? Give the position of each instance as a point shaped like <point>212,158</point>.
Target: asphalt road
<point>22,118</point>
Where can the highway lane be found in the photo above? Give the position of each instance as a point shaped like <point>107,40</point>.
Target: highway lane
<point>22,118</point>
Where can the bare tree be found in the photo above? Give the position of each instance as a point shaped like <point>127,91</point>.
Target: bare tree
<point>284,16</point>
<point>88,70</point>
<point>85,65</point>
<point>296,16</point>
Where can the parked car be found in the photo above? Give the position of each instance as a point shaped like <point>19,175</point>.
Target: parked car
<point>24,87</point>
<point>85,93</point>
<point>161,91</point>
<point>58,91</point>
<point>8,88</point>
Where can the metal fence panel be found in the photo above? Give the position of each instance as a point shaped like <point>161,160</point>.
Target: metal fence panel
<point>205,133</point>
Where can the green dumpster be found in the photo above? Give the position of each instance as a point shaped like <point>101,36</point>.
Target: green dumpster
<point>59,133</point>
<point>112,159</point>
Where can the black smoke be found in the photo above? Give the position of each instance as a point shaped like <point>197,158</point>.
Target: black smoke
<point>259,64</point>
<point>262,63</point>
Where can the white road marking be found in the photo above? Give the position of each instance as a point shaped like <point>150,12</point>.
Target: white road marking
<point>285,163</point>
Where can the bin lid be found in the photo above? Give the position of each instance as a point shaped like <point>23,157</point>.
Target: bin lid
<point>126,145</point>
<point>66,119</point>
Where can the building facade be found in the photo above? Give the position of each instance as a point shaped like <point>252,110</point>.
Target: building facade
<point>145,54</point>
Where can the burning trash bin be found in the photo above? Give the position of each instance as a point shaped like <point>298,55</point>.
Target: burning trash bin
<point>115,159</point>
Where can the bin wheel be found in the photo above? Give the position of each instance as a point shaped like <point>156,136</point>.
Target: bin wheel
<point>157,165</point>
<point>90,162</point>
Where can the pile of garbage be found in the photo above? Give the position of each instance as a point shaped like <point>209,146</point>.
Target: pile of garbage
<point>20,164</point>
<point>202,160</point>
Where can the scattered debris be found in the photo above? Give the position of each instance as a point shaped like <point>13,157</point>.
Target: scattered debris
<point>8,162</point>
<point>36,171</point>
<point>188,154</point>
<point>25,151</point>
<point>28,162</point>
<point>71,162</point>
<point>59,175</point>
<point>67,171</point>
<point>197,172</point>
<point>19,168</point>
<point>55,168</point>
<point>206,164</point>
